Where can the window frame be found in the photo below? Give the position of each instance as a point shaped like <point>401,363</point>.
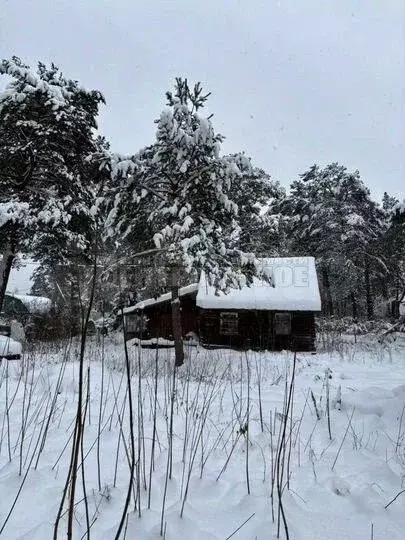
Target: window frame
<point>229,323</point>
<point>285,324</point>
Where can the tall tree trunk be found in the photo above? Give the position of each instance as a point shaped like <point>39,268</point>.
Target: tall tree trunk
<point>75,303</point>
<point>369,297</point>
<point>396,304</point>
<point>5,269</point>
<point>176,317</point>
<point>73,311</point>
<point>354,305</point>
<point>326,283</point>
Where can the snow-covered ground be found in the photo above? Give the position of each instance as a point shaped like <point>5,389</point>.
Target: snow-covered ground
<point>225,438</point>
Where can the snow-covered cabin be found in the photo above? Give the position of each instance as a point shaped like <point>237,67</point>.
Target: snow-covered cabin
<point>276,314</point>
<point>18,300</point>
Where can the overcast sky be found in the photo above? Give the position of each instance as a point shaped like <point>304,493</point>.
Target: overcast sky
<point>293,82</point>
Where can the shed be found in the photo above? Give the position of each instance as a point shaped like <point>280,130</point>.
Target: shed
<point>275,314</point>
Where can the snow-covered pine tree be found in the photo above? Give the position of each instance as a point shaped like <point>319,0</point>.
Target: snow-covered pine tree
<point>186,186</point>
<point>255,195</point>
<point>331,216</point>
<point>47,172</point>
<point>397,233</point>
<point>388,203</point>
<point>398,212</point>
<point>393,249</point>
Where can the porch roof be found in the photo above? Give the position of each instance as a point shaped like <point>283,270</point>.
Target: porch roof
<point>188,289</point>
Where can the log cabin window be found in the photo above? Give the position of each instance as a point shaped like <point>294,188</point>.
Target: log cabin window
<point>282,324</point>
<point>228,324</point>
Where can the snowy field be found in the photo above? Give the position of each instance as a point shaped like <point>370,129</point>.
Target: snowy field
<point>241,435</point>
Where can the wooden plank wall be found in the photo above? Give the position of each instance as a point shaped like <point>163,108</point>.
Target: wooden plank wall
<point>256,331</point>
<point>255,328</point>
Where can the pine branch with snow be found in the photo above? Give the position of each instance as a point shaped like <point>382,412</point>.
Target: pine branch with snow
<point>186,188</point>
<point>47,141</point>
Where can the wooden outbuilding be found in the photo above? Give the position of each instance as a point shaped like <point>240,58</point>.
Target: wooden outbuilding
<point>278,314</point>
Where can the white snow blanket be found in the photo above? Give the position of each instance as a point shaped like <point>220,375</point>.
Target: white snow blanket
<point>337,488</point>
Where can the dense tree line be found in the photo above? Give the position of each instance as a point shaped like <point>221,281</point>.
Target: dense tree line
<point>69,202</point>
<point>358,242</point>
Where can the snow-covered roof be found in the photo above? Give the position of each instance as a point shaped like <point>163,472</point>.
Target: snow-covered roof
<point>188,289</point>
<point>19,286</point>
<point>293,287</point>
<point>37,305</point>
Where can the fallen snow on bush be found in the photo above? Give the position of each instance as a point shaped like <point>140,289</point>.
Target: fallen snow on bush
<point>228,420</point>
